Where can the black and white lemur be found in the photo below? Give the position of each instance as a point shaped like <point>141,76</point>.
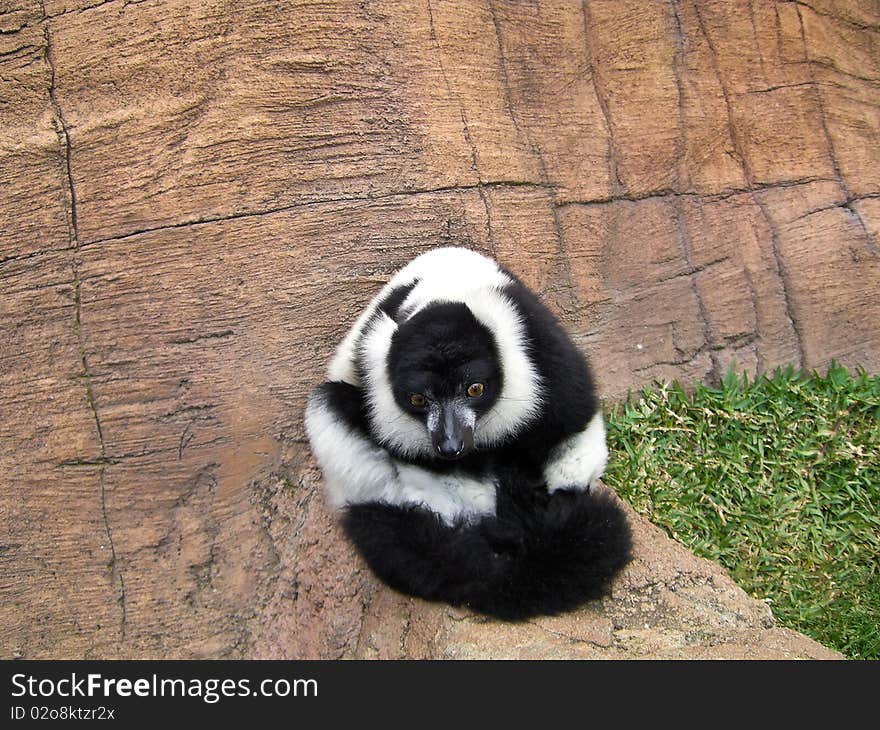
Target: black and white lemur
<point>460,434</point>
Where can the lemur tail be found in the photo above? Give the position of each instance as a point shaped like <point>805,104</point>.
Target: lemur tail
<point>540,554</point>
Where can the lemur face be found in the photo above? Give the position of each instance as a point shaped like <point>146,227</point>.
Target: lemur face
<point>444,371</point>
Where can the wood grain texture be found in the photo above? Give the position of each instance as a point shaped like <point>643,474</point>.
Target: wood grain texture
<point>199,197</point>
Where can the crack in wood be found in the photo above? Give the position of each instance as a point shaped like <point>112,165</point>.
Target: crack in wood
<point>602,99</point>
<point>46,17</point>
<point>688,254</point>
<point>198,338</point>
<point>657,195</point>
<point>853,214</point>
<point>456,189</point>
<point>692,270</point>
<point>109,459</point>
<point>505,81</point>
<point>679,68</point>
<point>710,339</point>
<point>679,62</point>
<point>63,133</point>
<point>777,24</point>
<point>475,161</point>
<point>732,344</point>
<point>741,157</point>
<point>562,260</point>
<point>25,256</point>
<point>755,39</point>
<point>11,55</point>
<point>777,87</point>
<point>753,298</point>
<point>784,277</point>
<point>453,189</point>
<point>829,64</point>
<point>13,31</point>
<point>844,205</point>
<point>872,28</point>
<point>185,438</point>
<point>191,413</point>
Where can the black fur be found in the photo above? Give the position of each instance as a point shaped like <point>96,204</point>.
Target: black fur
<point>347,402</point>
<point>391,303</point>
<point>444,335</point>
<point>567,379</point>
<point>540,554</point>
<point>440,350</point>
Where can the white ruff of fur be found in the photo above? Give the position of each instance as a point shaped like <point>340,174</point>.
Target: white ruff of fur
<point>357,471</point>
<point>443,273</point>
<point>389,422</point>
<point>521,396</point>
<point>579,460</point>
<point>448,275</point>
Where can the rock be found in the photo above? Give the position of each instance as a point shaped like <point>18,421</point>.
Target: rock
<point>666,604</point>
<point>198,198</point>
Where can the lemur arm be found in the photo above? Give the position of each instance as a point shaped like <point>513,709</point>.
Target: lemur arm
<point>579,460</point>
<point>355,468</point>
<point>572,413</point>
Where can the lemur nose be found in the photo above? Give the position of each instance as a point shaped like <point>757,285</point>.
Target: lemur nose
<point>450,448</point>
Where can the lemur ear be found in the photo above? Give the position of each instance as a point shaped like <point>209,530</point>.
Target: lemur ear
<point>374,344</point>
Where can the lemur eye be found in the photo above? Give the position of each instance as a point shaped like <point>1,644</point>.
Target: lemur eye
<point>417,399</point>
<point>475,390</point>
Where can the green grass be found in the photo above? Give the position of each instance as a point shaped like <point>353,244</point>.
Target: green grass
<point>778,480</point>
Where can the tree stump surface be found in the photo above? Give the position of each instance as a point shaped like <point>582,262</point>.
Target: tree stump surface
<point>198,199</point>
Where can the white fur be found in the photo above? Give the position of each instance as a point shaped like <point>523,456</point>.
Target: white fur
<point>356,471</point>
<point>449,275</point>
<point>446,275</point>
<point>579,460</point>
<point>440,269</point>
<point>342,365</point>
<point>392,424</point>
<point>452,495</point>
<point>521,396</point>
